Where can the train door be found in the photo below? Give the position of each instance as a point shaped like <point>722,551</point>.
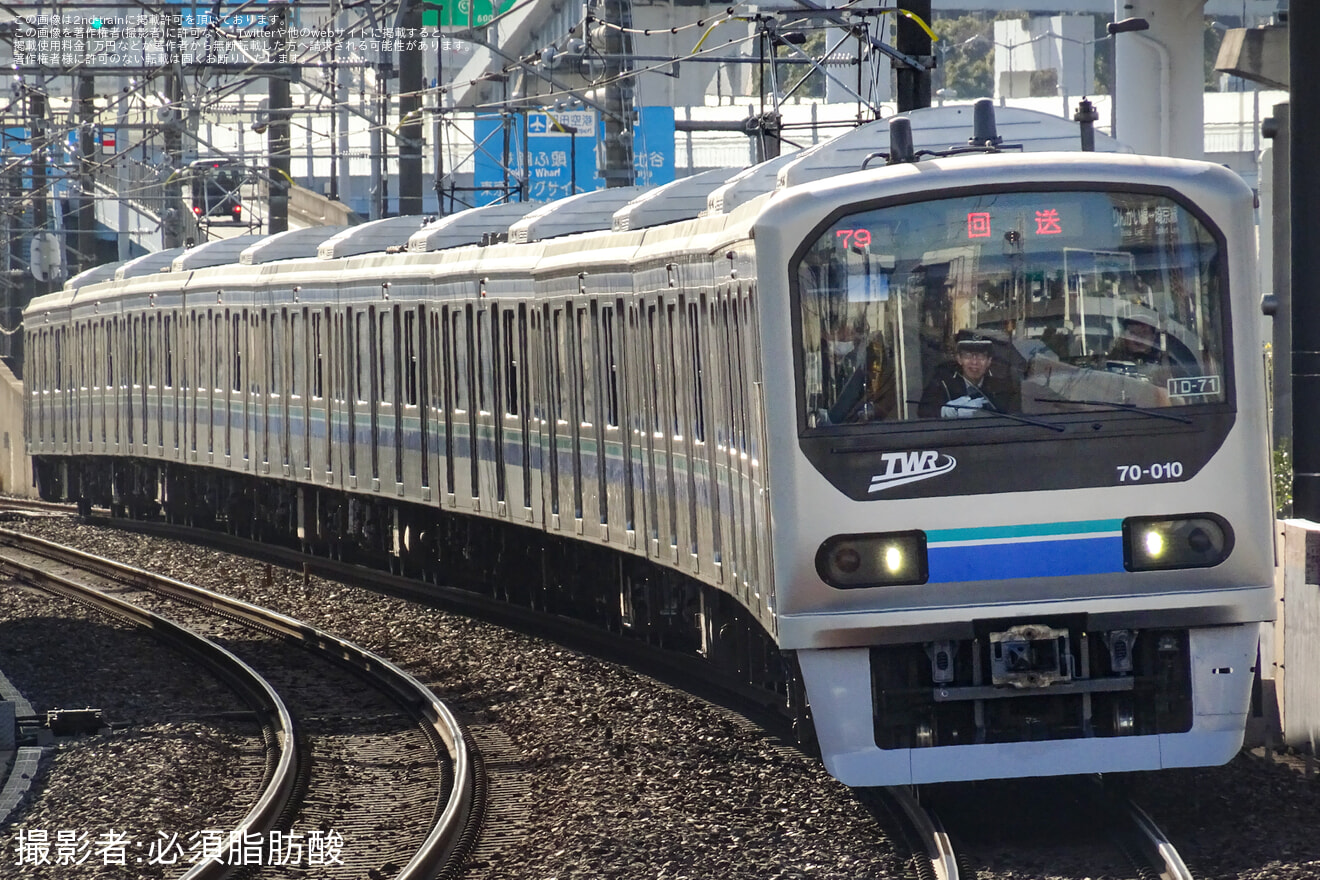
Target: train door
<point>336,442</point>
<point>591,454</point>
<point>708,502</point>
<point>354,354</point>
<point>442,435</point>
<point>170,364</point>
<point>253,448</point>
<point>513,411</point>
<point>374,402</point>
<point>235,431</point>
<point>155,406</point>
<point>334,455</point>
<point>210,380</point>
<point>558,444</point>
<point>288,392</point>
<point>133,397</point>
<point>416,394</point>
<point>115,376</point>
<point>649,384</point>
<point>269,403</point>
<point>384,402</point>
<point>490,358</point>
<point>359,413</point>
<point>195,360</point>
<point>728,472</point>
<point>467,484</point>
<point>78,384</point>
<point>757,507</point>
<point>535,425</point>
<point>318,407</point>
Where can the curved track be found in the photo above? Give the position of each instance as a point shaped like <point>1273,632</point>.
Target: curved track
<point>453,826</point>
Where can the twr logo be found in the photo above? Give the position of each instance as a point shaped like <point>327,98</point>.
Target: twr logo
<point>908,467</point>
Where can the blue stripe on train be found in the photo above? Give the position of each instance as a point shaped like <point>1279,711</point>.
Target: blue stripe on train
<point>996,562</point>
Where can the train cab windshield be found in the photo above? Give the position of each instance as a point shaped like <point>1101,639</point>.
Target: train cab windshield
<point>1027,304</point>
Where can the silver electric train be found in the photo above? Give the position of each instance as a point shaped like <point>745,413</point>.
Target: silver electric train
<point>965,458</point>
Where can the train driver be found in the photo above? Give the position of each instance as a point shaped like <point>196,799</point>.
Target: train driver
<point>969,387</point>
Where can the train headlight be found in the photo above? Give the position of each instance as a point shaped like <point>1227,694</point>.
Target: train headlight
<point>885,560</point>
<point>1196,541</point>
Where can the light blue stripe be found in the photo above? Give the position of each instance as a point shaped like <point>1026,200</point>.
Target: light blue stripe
<point>997,562</point>
<point>1031,530</point>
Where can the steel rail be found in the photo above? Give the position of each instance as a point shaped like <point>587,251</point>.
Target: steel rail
<point>1160,849</point>
<point>939,848</point>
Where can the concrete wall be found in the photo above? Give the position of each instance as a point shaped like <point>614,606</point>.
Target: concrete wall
<point>15,465</point>
<point>1296,654</point>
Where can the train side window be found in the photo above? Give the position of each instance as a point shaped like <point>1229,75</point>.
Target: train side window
<point>410,358</point>
<point>295,345</point>
<point>698,379</point>
<point>483,362</point>
<point>362,338</point>
<point>563,410</point>
<point>672,342</point>
<point>153,349</point>
<point>512,359</point>
<point>460,351</point>
<point>236,374</point>
<point>200,334</point>
<point>445,375</point>
<point>374,355</point>
<point>387,351</point>
<point>587,378</point>
<point>318,355</point>
<point>275,335</point>
<point>168,351</point>
<point>610,367</point>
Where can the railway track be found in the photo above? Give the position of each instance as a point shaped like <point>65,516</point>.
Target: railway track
<point>1016,827</point>
<point>341,772</point>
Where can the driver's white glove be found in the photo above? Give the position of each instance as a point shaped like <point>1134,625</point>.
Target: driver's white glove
<point>963,407</point>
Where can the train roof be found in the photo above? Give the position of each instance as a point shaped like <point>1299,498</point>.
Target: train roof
<point>679,199</point>
<point>584,212</point>
<point>214,253</point>
<point>935,129</point>
<point>470,226</point>
<point>377,235</point>
<point>147,264</point>
<point>291,244</point>
<point>746,185</point>
<point>94,275</point>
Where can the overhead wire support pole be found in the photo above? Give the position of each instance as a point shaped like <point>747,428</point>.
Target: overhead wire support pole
<point>277,135</point>
<point>1303,130</point>
<point>411,85</point>
<point>912,84</point>
<point>171,229</point>
<point>615,154</point>
<point>86,164</point>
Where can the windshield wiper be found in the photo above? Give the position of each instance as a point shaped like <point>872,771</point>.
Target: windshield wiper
<point>992,410</point>
<point>1126,407</point>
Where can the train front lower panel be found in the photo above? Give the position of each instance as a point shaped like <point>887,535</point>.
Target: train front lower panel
<point>1021,500</point>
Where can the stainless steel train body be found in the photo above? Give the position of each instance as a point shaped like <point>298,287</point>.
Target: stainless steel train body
<point>1071,584</point>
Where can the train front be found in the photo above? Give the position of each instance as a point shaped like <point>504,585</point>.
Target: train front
<point>1021,507</point>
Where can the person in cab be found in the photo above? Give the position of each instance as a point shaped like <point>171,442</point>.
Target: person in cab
<point>968,386</point>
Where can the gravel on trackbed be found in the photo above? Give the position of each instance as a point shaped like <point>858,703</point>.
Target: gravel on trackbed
<point>626,777</point>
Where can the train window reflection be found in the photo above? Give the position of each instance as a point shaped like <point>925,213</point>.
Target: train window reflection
<point>1079,300</point>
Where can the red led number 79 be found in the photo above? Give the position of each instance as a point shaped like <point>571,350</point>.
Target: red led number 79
<point>859,237</point>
